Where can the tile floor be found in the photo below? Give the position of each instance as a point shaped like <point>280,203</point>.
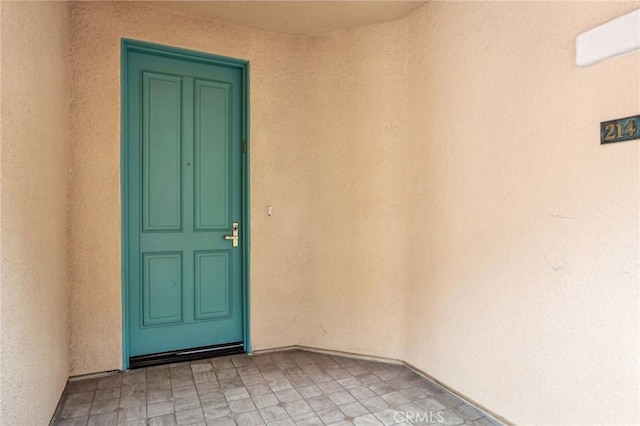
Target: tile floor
<point>280,388</point>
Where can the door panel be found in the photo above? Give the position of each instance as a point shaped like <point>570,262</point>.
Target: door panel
<point>211,153</point>
<point>162,188</point>
<point>162,289</point>
<point>212,285</point>
<point>184,192</point>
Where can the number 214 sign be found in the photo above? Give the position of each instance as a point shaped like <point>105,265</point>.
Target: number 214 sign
<point>622,129</point>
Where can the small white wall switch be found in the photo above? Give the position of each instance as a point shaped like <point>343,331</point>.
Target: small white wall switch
<point>613,38</point>
<point>269,210</point>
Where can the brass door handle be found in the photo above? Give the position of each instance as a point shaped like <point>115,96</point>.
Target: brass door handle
<point>234,235</point>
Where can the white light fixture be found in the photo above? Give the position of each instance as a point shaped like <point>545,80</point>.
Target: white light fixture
<point>613,38</point>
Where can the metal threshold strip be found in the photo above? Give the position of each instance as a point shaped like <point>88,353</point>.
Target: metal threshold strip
<point>182,355</point>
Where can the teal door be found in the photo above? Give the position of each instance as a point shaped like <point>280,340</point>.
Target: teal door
<point>184,181</point>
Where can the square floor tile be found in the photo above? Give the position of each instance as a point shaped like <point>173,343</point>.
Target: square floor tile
<point>297,408</point>
<point>367,420</point>
<point>81,385</point>
<point>162,395</point>
<point>251,418</point>
<point>75,410</point>
<point>241,405</point>
<point>105,405</point>
<point>271,414</point>
<point>159,408</point>
<point>166,420</point>
<point>331,416</point>
<point>189,403</point>
<point>353,409</point>
<point>190,417</point>
<point>103,419</point>
<point>131,414</point>
<point>110,382</point>
<point>80,398</point>
<point>236,393</point>
<point>264,401</point>
<point>341,397</point>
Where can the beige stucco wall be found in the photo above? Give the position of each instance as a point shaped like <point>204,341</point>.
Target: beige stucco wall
<point>1,263</point>
<point>356,191</point>
<point>462,215</point>
<point>524,248</point>
<point>34,328</point>
<point>439,195</point>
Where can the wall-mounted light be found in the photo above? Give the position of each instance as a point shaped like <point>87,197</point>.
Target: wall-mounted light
<point>613,38</point>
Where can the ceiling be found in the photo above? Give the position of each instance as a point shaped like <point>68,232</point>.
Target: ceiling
<point>295,17</point>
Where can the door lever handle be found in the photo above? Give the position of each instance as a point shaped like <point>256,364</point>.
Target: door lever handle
<point>234,235</point>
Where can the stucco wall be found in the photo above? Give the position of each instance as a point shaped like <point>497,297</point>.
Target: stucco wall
<point>35,133</point>
<point>462,215</point>
<point>439,195</point>
<point>356,190</point>
<point>459,170</point>
<point>524,248</point>
<point>1,263</point>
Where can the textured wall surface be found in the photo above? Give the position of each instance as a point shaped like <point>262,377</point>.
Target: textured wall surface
<point>439,195</point>
<point>1,258</point>
<point>355,191</point>
<point>461,214</point>
<point>35,133</point>
<point>524,248</point>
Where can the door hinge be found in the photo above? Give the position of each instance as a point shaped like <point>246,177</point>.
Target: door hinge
<point>244,146</point>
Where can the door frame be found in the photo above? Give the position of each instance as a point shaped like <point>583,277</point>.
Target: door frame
<point>128,45</point>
